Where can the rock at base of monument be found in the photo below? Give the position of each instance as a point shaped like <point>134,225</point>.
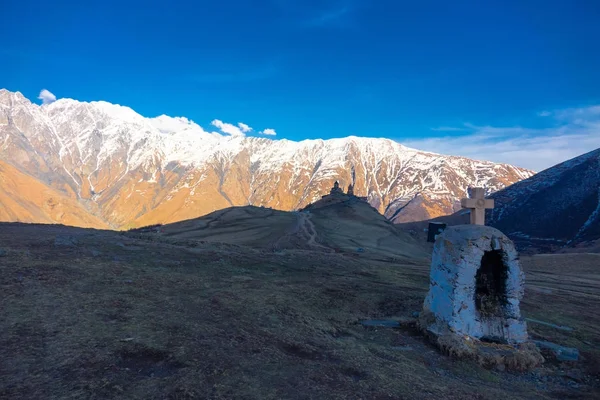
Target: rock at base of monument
<point>510,357</point>
<point>518,357</point>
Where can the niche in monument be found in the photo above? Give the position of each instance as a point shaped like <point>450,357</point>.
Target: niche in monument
<point>490,284</point>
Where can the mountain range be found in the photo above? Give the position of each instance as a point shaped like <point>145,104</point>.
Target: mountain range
<point>97,164</point>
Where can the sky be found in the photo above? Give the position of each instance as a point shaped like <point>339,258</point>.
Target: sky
<point>500,80</point>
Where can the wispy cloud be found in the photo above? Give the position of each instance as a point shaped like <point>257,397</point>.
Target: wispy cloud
<point>544,114</point>
<point>244,128</point>
<point>241,129</point>
<point>47,97</point>
<point>231,129</point>
<point>447,129</point>
<point>575,132</point>
<point>268,131</point>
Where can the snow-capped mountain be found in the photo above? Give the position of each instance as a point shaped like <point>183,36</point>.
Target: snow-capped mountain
<point>130,170</point>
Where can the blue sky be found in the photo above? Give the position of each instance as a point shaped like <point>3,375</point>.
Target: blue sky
<point>484,79</point>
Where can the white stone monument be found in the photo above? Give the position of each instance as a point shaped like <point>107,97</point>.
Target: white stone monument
<point>476,284</point>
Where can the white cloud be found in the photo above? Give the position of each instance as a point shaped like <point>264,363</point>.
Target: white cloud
<point>240,130</point>
<point>544,114</point>
<point>46,96</point>
<point>576,131</point>
<point>167,124</point>
<point>268,131</point>
<point>230,129</point>
<point>245,128</point>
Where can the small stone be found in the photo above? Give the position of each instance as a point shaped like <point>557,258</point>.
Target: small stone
<point>3,253</point>
<point>574,374</point>
<point>559,327</point>
<point>560,352</point>
<point>385,323</point>
<point>496,245</point>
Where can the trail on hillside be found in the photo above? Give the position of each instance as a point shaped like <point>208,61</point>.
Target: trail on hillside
<point>302,230</point>
<point>305,223</point>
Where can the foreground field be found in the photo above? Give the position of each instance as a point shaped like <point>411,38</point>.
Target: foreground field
<point>99,314</point>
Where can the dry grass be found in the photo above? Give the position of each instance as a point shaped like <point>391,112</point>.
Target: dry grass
<point>125,318</point>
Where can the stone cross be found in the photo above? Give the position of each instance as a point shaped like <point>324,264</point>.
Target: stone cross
<point>478,204</point>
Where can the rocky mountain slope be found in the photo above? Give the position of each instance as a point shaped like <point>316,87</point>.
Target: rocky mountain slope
<point>559,208</point>
<point>26,199</point>
<point>561,203</point>
<point>130,171</point>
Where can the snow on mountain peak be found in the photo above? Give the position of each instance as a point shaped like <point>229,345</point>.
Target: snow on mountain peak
<point>100,145</point>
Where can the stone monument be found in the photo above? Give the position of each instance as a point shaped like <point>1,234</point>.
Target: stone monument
<point>476,285</point>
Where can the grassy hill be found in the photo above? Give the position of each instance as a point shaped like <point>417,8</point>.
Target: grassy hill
<point>349,226</point>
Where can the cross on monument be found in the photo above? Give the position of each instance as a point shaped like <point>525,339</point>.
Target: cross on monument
<point>478,204</point>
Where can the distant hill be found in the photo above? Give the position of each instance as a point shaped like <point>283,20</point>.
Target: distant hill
<point>558,207</point>
<point>349,226</point>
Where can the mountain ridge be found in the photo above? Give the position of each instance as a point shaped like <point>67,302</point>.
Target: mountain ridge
<point>130,170</point>
<point>557,209</point>
<point>561,203</point>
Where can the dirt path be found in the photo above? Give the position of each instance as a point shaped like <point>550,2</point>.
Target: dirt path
<point>303,229</point>
<point>306,224</point>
